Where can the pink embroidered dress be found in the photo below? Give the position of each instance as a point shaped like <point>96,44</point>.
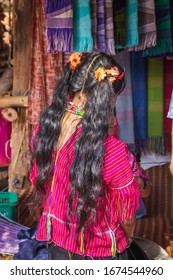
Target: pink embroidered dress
<point>103,237</point>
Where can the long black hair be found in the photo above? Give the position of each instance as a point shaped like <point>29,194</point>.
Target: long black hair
<point>86,170</point>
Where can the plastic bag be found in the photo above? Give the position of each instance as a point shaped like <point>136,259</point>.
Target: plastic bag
<point>5,134</point>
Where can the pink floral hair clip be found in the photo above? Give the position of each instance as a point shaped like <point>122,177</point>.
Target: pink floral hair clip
<point>74,60</point>
<point>112,73</point>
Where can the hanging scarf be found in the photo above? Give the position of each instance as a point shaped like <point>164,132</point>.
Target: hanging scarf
<point>168,87</point>
<point>119,11</point>
<point>164,32</point>
<point>59,25</point>
<point>93,5</point>
<point>139,88</point>
<point>132,38</point>
<point>83,41</point>
<point>124,105</point>
<point>126,23</point>
<point>155,104</point>
<point>43,83</point>
<point>101,36</point>
<point>146,25</point>
<point>109,27</point>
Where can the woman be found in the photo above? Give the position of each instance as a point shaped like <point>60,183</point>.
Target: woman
<point>82,173</point>
<point>170,116</point>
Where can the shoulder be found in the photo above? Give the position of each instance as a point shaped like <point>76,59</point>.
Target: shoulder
<point>117,170</point>
<point>112,145</point>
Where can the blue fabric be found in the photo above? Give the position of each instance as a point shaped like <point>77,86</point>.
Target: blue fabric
<point>30,248</point>
<point>141,211</point>
<point>139,89</point>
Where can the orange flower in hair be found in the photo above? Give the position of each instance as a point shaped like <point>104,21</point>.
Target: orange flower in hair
<point>113,73</point>
<point>74,60</point>
<point>100,74</point>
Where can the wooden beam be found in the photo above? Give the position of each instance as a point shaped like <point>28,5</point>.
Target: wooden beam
<point>22,59</point>
<point>13,101</point>
<point>22,45</point>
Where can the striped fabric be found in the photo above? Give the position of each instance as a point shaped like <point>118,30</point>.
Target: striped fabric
<point>59,25</point>
<point>146,25</point>
<point>93,7</point>
<point>139,92</point>
<point>155,104</point>
<point>168,86</point>
<point>101,35</point>
<point>158,224</point>
<point>124,104</point>
<point>132,37</point>
<point>119,203</point>
<point>164,44</point>
<point>82,33</point>
<point>109,27</point>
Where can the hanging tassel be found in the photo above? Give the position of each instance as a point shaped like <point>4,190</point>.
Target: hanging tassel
<point>112,235</point>
<point>48,227</point>
<point>82,241</point>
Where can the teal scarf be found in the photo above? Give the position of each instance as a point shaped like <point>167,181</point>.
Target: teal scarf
<point>83,41</point>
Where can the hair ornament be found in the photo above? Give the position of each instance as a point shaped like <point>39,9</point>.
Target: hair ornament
<point>112,74</point>
<point>74,60</point>
<point>100,74</point>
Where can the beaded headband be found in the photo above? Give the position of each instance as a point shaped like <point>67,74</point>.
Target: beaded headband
<point>101,73</point>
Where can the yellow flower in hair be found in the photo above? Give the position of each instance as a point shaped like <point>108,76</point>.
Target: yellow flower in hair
<point>100,74</point>
<point>74,60</point>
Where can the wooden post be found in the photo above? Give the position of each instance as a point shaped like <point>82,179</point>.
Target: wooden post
<point>22,56</point>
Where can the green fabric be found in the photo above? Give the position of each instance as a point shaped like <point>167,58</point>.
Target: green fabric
<point>132,37</point>
<point>126,23</point>
<point>155,104</point>
<point>163,26</point>
<point>119,8</point>
<point>83,41</point>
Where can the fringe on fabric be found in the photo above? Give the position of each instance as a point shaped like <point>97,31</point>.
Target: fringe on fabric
<point>60,40</point>
<point>59,24</point>
<point>155,144</point>
<point>101,35</point>
<point>146,25</point>
<point>164,33</point>
<point>82,36</point>
<point>132,38</point>
<point>164,46</point>
<point>109,27</point>
<point>119,10</point>
<point>93,6</point>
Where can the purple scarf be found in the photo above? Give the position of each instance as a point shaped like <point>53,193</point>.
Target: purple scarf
<point>59,25</point>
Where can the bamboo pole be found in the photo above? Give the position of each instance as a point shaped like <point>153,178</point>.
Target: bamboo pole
<point>13,101</point>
